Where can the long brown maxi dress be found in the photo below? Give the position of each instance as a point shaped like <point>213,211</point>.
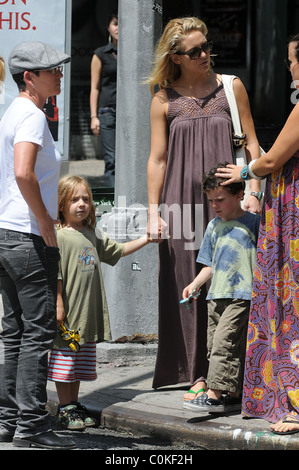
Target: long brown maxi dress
<point>200,136</point>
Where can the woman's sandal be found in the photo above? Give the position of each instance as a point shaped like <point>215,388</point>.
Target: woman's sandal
<point>288,421</point>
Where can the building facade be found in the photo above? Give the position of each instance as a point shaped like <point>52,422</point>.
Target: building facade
<point>250,39</point>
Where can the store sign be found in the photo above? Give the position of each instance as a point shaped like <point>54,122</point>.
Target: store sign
<point>34,20</point>
<point>227,23</point>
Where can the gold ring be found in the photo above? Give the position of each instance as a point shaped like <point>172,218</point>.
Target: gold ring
<point>150,239</point>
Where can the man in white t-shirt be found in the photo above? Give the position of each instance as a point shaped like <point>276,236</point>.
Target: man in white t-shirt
<point>29,255</point>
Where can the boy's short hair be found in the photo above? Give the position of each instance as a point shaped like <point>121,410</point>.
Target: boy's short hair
<point>210,181</point>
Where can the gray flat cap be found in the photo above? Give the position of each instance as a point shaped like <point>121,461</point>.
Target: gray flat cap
<point>32,55</point>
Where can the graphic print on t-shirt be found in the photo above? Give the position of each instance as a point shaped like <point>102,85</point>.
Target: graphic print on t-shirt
<point>86,256</point>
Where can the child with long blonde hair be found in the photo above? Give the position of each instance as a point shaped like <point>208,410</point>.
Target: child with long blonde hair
<point>81,301</point>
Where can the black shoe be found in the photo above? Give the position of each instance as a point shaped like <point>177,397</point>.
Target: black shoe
<point>232,403</point>
<point>6,436</point>
<point>47,440</point>
<point>205,404</point>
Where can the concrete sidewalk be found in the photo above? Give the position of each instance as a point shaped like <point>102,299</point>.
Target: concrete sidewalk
<point>122,398</point>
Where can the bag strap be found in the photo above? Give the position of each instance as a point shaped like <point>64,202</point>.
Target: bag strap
<point>227,81</point>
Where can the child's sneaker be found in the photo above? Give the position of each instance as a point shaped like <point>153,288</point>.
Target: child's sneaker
<point>69,418</point>
<point>82,411</point>
<point>205,404</point>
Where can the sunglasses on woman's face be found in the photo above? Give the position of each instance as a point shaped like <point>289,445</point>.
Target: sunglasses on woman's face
<point>197,51</point>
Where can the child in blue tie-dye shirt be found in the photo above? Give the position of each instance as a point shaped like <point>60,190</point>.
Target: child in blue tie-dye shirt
<point>228,255</point>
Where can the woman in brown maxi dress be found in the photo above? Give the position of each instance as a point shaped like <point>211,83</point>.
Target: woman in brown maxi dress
<point>191,132</point>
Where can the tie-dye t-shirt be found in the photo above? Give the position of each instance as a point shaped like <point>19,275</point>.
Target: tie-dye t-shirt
<point>229,247</point>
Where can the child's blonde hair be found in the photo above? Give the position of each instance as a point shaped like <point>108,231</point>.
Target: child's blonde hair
<point>66,188</point>
<point>165,71</point>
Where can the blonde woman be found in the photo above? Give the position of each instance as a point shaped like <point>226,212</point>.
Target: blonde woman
<point>191,130</point>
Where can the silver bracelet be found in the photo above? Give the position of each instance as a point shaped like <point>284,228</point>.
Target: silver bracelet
<point>258,195</point>
<point>251,172</point>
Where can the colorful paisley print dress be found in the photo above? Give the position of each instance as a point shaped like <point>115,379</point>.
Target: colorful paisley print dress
<point>271,381</point>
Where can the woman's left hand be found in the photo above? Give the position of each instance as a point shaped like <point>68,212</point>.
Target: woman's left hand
<point>231,172</point>
<point>252,204</point>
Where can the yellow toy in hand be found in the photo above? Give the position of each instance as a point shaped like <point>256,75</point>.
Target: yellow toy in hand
<point>68,334</point>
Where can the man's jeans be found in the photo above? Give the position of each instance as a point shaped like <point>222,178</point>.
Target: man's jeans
<point>107,117</point>
<point>28,282</point>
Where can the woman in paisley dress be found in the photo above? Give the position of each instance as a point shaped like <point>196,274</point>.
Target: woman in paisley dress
<point>191,131</point>
<point>271,383</point>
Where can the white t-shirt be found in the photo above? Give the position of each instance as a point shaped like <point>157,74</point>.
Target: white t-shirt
<point>25,122</point>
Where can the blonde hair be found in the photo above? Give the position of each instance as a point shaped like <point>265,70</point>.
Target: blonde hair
<point>2,70</point>
<point>66,188</point>
<point>164,70</point>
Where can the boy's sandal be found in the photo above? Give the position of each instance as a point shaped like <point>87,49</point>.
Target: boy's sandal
<point>202,390</point>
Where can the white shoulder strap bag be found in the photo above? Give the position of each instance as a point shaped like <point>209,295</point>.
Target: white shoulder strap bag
<point>240,154</point>
<point>227,81</point>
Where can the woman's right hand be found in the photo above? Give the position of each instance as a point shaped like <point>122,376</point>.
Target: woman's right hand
<point>47,230</point>
<point>95,125</point>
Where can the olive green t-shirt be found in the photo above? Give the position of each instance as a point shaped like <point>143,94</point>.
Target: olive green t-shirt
<point>82,283</point>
